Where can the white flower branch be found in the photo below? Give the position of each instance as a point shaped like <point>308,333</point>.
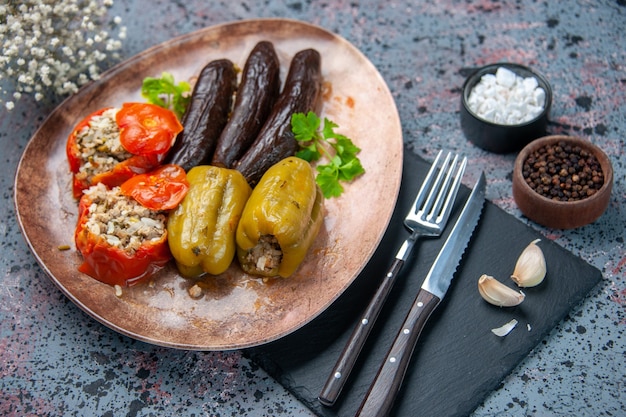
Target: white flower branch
<point>54,46</point>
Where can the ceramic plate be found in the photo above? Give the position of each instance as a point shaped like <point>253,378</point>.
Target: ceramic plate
<point>237,310</point>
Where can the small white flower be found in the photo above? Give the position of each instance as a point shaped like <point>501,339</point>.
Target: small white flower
<point>38,52</point>
<point>70,87</point>
<point>48,45</point>
<point>15,27</point>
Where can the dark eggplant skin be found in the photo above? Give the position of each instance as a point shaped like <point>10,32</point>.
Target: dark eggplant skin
<point>206,115</point>
<point>276,141</point>
<point>257,93</point>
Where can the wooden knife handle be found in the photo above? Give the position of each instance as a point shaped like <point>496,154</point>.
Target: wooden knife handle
<point>382,393</point>
<point>337,378</point>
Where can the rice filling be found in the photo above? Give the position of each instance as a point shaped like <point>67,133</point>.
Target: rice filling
<point>122,221</point>
<point>266,255</point>
<point>100,146</point>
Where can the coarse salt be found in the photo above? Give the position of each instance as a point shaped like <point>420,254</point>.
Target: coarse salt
<point>506,98</point>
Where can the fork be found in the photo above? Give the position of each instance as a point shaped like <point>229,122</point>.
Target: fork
<point>427,217</point>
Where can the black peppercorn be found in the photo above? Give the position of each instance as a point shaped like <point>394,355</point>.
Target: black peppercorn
<point>563,172</point>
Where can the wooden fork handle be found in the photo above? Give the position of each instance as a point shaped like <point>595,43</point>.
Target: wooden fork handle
<point>337,378</point>
<point>382,393</point>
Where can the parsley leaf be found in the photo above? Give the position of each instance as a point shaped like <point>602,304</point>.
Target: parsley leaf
<point>164,92</point>
<point>339,150</point>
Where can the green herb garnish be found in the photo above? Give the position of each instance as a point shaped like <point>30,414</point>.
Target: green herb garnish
<point>338,149</point>
<point>166,93</point>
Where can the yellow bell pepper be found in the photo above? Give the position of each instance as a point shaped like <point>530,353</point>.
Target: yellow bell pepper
<point>201,230</point>
<point>281,220</point>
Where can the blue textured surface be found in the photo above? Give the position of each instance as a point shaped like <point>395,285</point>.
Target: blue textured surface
<point>54,360</point>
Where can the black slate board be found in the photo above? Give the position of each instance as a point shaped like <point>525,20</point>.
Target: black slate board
<point>458,361</point>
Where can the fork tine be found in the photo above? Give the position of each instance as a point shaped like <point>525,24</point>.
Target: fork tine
<point>439,189</point>
<point>426,184</point>
<point>448,189</point>
<point>435,187</point>
<point>446,209</point>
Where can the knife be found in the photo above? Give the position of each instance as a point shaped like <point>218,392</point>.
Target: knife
<point>382,393</point>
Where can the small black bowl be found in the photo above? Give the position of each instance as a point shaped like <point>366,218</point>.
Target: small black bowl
<point>501,138</point>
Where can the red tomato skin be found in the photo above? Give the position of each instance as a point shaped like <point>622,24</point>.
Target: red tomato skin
<point>147,128</point>
<point>161,189</point>
<point>112,265</point>
<point>136,164</point>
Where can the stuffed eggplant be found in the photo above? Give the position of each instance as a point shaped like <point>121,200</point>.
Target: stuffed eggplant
<point>258,90</point>
<point>206,115</point>
<point>276,141</point>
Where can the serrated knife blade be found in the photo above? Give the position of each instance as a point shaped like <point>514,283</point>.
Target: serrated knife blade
<point>382,393</point>
<point>441,273</point>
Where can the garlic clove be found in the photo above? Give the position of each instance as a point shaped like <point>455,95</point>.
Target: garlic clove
<point>530,269</point>
<point>498,294</point>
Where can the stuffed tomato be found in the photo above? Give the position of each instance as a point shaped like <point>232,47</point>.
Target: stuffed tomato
<point>121,241</point>
<point>111,145</point>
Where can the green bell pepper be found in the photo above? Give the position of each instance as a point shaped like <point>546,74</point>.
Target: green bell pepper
<point>281,220</point>
<point>201,230</point>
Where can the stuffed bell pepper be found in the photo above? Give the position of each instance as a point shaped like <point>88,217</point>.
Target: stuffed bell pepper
<point>111,145</point>
<point>201,231</point>
<point>281,220</point>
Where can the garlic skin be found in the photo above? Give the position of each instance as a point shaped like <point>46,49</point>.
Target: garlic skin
<point>498,294</point>
<point>505,329</point>
<point>530,269</point>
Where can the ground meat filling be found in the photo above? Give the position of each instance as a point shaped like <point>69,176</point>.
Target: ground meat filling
<point>100,146</point>
<point>266,256</point>
<point>122,221</point>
